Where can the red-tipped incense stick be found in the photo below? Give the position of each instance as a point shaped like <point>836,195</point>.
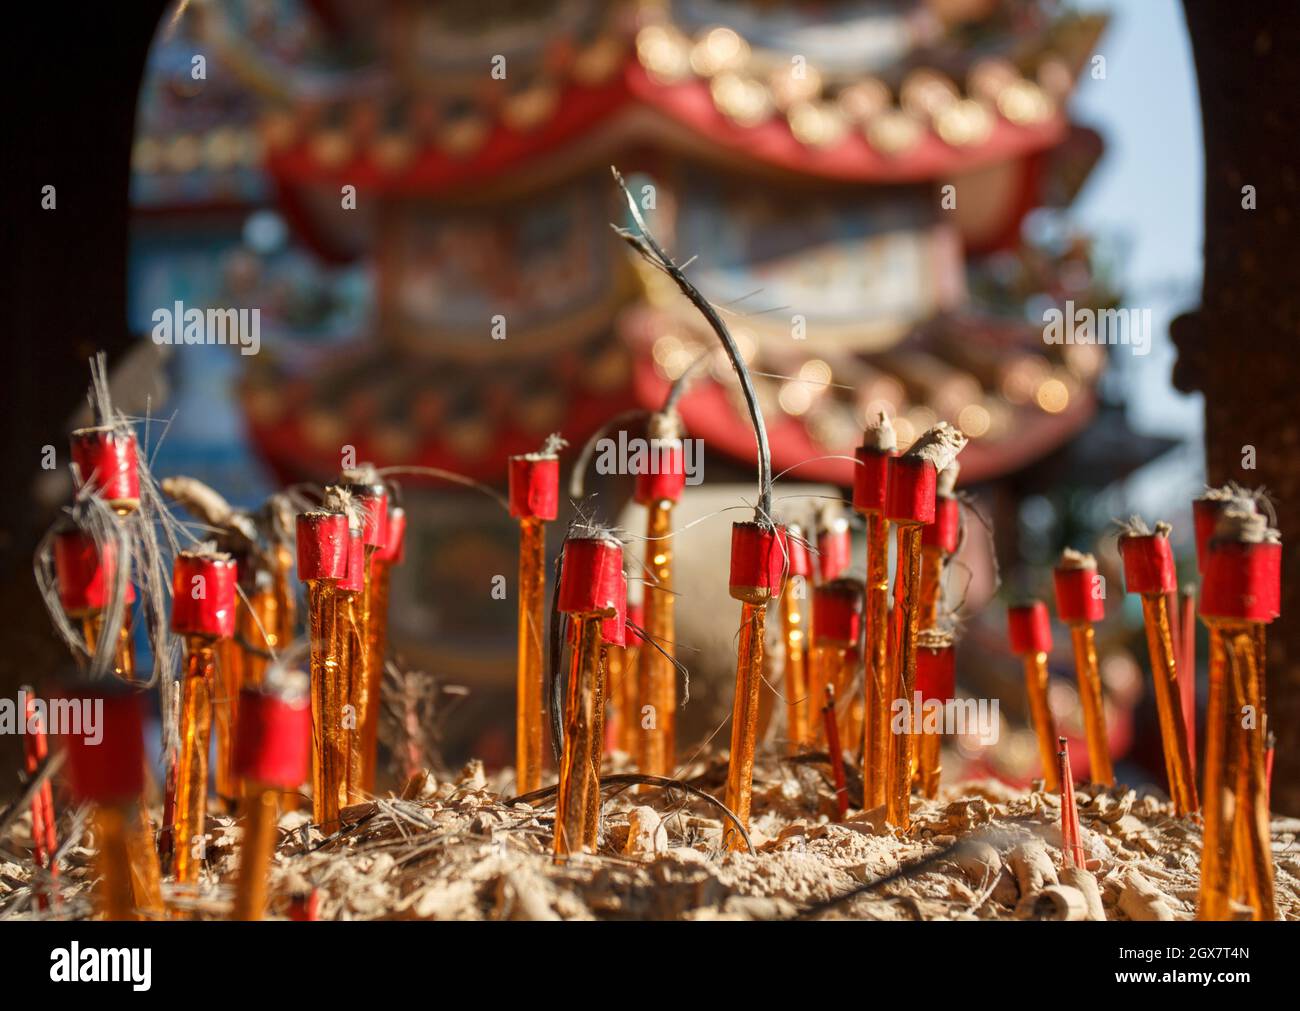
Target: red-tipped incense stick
<point>1071,835</point>
<point>86,573</point>
<point>323,541</point>
<point>349,646</point>
<point>370,496</point>
<point>660,491</point>
<point>203,611</point>
<point>870,498</point>
<point>588,593</point>
<point>613,637</point>
<point>837,632</point>
<point>1149,571</point>
<point>1242,591</point>
<point>44,840</point>
<point>794,633</point>
<point>109,773</point>
<point>272,754</point>
<point>534,482</point>
<point>913,479</point>
<point>1029,632</point>
<point>758,566</point>
<point>1079,604</point>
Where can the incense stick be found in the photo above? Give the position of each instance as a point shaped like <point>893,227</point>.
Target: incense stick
<point>871,498</point>
<point>1079,603</point>
<point>272,754</point>
<point>1149,571</point>
<point>110,774</point>
<point>588,591</point>
<point>323,540</point>
<point>797,653</point>
<point>1241,593</point>
<point>534,501</point>
<point>837,755</point>
<point>1030,637</point>
<point>659,491</point>
<point>203,611</point>
<point>910,505</point>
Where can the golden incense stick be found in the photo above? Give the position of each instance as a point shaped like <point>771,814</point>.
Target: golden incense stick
<point>192,771</point>
<point>613,638</point>
<point>879,677</point>
<point>659,487</point>
<point>323,548</point>
<point>870,498</point>
<point>798,702</point>
<point>1149,571</point>
<point>744,719</point>
<point>1254,846</point>
<point>1079,603</point>
<point>591,584</point>
<point>656,675</point>
<point>911,503</point>
<point>758,568</point>
<point>907,606</point>
<point>577,758</point>
<point>529,680</point>
<point>369,496</point>
<point>1220,782</point>
<point>534,484</point>
<point>203,611</point>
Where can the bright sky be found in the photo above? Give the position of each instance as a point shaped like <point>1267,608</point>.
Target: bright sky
<point>1145,198</point>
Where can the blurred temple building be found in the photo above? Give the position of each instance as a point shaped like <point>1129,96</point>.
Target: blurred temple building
<point>418,195</point>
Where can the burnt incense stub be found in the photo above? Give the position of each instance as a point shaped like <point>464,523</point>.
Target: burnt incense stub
<point>108,460</point>
<point>85,572</point>
<point>1078,590</point>
<point>322,546</point>
<point>110,771</point>
<point>203,594</point>
<point>590,580</point>
<point>758,562</point>
<point>1148,563</point>
<point>1029,628</point>
<point>534,481</point>
<point>837,613</point>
